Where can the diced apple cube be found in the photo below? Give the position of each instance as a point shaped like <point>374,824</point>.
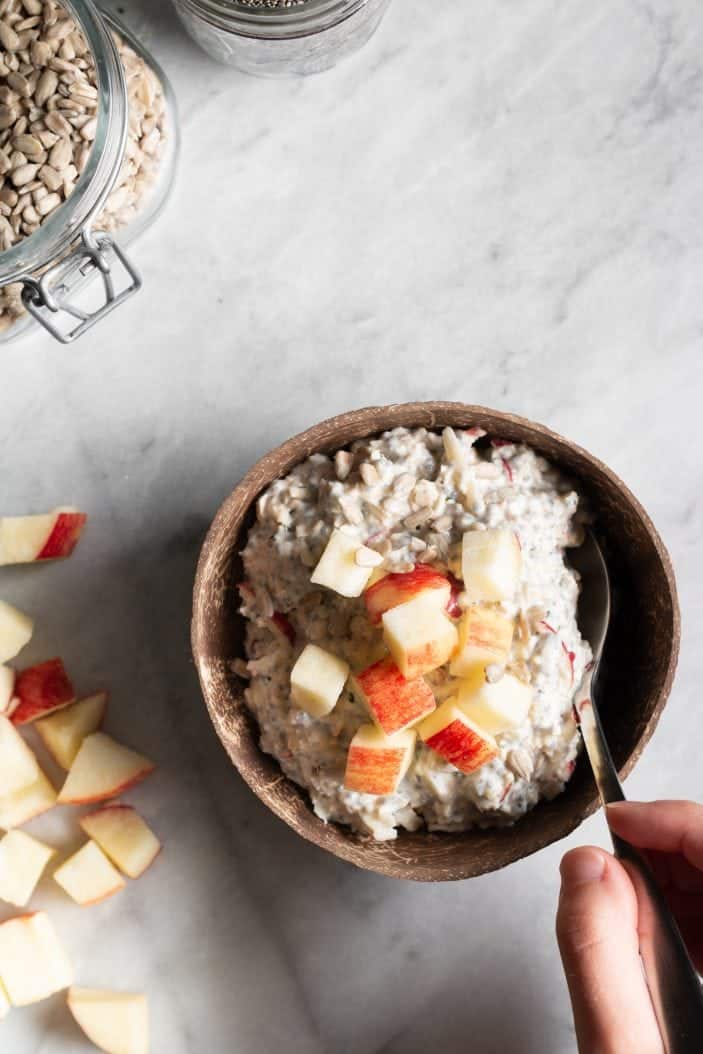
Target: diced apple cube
<point>102,769</point>
<point>337,568</point>
<point>23,805</point>
<point>16,630</point>
<point>33,964</point>
<point>376,763</point>
<point>18,765</point>
<point>419,636</point>
<point>491,564</point>
<point>124,837</point>
<point>317,680</point>
<point>5,1006</point>
<point>88,876</point>
<point>7,689</point>
<point>485,637</point>
<point>397,588</point>
<point>63,732</point>
<point>40,690</point>
<point>50,536</point>
<point>497,707</point>
<point>392,701</point>
<point>116,1022</point>
<point>22,860</point>
<point>452,735</point>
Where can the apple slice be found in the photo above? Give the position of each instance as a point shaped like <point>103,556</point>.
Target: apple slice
<point>16,630</point>
<point>33,964</point>
<point>317,680</point>
<point>23,805</point>
<point>485,637</point>
<point>123,835</point>
<point>18,765</point>
<point>419,635</point>
<point>376,763</point>
<point>40,690</point>
<point>491,563</point>
<point>102,769</point>
<point>62,733</point>
<point>452,735</point>
<point>397,588</point>
<point>393,702</point>
<point>497,707</point>
<point>51,536</point>
<point>88,876</point>
<point>7,689</point>
<point>22,861</point>
<point>5,1006</point>
<point>116,1022</point>
<point>337,567</point>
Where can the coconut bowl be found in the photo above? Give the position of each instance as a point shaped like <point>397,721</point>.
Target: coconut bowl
<point>636,678</point>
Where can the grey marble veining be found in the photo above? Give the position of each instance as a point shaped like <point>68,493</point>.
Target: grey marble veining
<point>498,202</point>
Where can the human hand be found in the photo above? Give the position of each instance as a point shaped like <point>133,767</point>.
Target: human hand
<point>597,923</point>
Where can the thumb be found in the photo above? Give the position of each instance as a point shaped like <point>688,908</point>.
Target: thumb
<point>597,933</point>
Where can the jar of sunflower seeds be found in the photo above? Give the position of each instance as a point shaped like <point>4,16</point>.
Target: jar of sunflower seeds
<point>88,148</point>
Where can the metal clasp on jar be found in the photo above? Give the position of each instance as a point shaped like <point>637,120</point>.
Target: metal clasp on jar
<point>48,298</point>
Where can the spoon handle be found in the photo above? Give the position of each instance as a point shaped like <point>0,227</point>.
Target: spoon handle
<point>674,985</point>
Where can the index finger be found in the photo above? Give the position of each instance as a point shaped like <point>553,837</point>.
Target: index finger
<point>667,826</point>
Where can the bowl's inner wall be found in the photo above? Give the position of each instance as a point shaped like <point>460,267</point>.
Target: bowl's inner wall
<point>634,679</point>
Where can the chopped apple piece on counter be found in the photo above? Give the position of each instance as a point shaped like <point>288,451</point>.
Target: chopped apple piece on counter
<point>18,765</point>
<point>7,689</point>
<point>16,630</point>
<point>419,636</point>
<point>88,876</point>
<point>23,805</point>
<point>497,707</point>
<point>22,861</point>
<point>51,536</point>
<point>491,563</point>
<point>393,702</point>
<point>376,763</point>
<point>116,1022</point>
<point>102,769</point>
<point>33,964</point>
<point>397,588</point>
<point>337,567</point>
<point>124,837</point>
<point>63,732</point>
<point>452,735</point>
<point>40,690</point>
<point>485,637</point>
<point>317,680</point>
<point>4,1002</point>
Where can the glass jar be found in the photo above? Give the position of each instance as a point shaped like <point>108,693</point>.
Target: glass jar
<point>279,38</point>
<point>57,267</point>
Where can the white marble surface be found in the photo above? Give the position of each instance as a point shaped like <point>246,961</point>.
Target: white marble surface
<point>498,202</point>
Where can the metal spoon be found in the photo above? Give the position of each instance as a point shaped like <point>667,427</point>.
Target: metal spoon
<point>674,985</point>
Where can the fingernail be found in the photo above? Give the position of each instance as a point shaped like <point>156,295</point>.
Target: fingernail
<point>582,865</point>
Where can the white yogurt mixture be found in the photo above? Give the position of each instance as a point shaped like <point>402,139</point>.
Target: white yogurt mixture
<point>411,495</point>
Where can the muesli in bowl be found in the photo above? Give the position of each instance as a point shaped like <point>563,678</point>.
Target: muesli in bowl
<point>412,644</point>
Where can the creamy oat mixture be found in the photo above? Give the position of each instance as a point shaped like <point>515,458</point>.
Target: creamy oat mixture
<point>410,496</point>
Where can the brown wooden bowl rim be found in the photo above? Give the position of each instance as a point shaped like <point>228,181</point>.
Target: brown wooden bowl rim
<point>364,853</point>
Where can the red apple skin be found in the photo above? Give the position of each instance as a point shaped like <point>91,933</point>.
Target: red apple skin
<point>41,690</point>
<point>284,626</point>
<point>373,771</point>
<point>111,792</point>
<point>64,536</point>
<point>396,588</point>
<point>462,747</point>
<point>394,702</point>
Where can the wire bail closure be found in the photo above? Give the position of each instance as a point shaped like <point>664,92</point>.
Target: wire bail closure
<point>47,298</point>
